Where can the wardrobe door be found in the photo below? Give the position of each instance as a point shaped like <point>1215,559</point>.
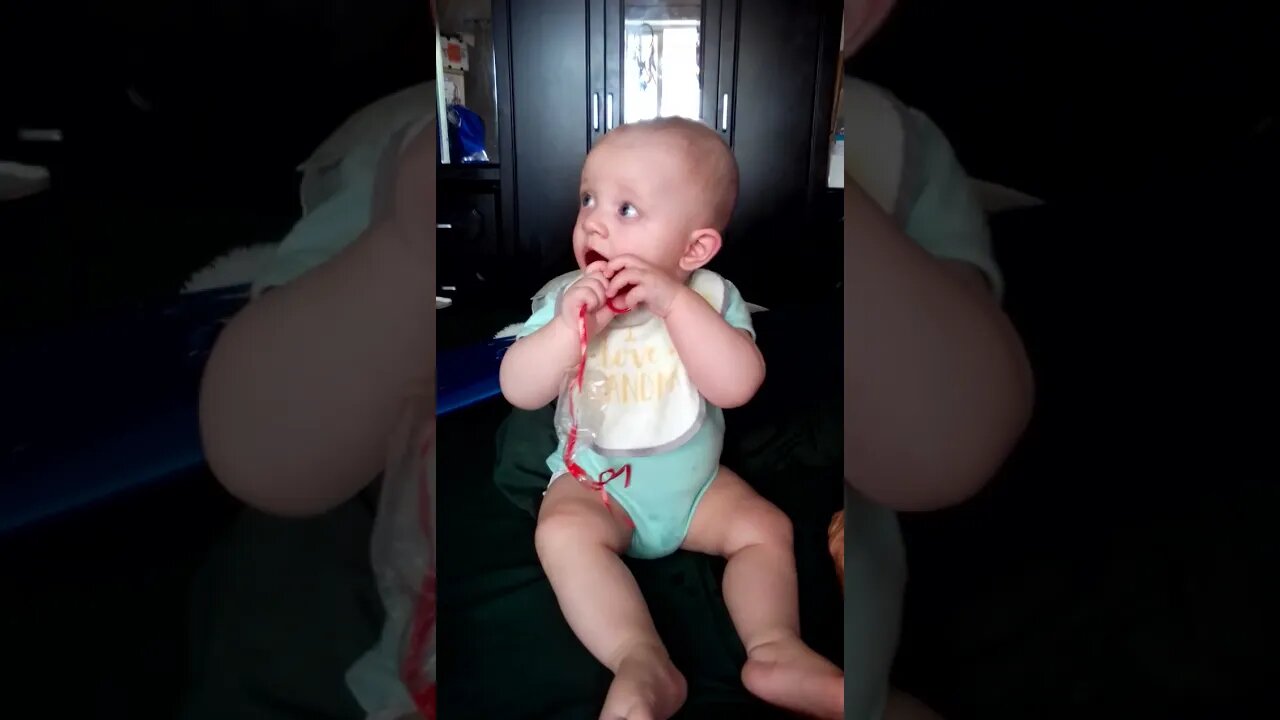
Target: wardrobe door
<point>554,114</point>
<point>600,111</point>
<point>775,100</point>
<point>720,98</point>
<point>661,59</point>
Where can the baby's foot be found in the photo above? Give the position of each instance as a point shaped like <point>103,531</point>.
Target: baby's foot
<point>646,687</point>
<point>789,674</point>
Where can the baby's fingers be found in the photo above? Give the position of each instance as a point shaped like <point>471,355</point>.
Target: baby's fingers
<point>623,279</point>
<point>593,284</point>
<point>597,290</point>
<point>578,298</point>
<point>632,297</point>
<point>603,316</point>
<point>622,262</point>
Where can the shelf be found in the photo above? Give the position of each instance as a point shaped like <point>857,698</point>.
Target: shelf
<point>469,172</point>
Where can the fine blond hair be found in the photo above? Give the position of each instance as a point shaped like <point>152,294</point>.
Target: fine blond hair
<point>709,158</point>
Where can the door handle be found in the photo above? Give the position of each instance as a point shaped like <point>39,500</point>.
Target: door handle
<point>608,111</point>
<point>724,114</point>
<point>595,112</point>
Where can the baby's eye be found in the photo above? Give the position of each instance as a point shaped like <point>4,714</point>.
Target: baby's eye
<point>628,210</point>
<point>587,200</point>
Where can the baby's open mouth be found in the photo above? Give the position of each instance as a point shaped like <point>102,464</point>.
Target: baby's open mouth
<point>593,257</point>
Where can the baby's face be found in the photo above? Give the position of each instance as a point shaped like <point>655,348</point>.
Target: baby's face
<point>638,197</point>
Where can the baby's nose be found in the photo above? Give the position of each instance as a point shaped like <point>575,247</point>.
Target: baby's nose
<point>593,225</point>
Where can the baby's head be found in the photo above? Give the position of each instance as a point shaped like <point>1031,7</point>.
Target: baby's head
<point>662,190</point>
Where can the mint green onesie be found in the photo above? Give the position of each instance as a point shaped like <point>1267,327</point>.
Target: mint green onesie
<point>649,416</point>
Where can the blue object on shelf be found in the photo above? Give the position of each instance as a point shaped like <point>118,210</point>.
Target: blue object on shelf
<point>466,135</point>
<point>98,410</point>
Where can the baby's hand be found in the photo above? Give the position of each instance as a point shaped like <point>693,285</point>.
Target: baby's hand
<point>589,290</point>
<point>649,285</point>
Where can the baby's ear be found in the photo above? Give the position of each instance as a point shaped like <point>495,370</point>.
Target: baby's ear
<point>861,20</point>
<point>703,245</point>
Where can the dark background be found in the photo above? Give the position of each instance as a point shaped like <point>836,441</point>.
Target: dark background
<point>238,93</point>
<point>1090,100</point>
<point>1116,567</point>
<point>1121,565</point>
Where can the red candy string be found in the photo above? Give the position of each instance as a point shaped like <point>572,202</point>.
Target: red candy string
<point>421,688</point>
<point>621,293</point>
<point>598,483</point>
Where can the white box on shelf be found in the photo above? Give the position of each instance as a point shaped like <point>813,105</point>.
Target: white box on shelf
<point>835,169</point>
<point>454,86</point>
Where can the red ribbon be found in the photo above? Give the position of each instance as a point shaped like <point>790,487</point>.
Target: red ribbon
<point>421,688</point>
<point>598,483</point>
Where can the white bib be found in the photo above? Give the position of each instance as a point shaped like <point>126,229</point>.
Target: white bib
<point>637,397</point>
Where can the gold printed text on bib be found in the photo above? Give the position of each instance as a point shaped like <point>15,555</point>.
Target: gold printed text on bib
<point>646,402</point>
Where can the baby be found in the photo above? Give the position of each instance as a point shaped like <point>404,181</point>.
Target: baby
<point>674,344</point>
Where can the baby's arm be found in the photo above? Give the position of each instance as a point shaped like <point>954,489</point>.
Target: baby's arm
<point>937,384</point>
<point>722,361</point>
<point>534,368</point>
<point>306,384</point>
<point>550,343</point>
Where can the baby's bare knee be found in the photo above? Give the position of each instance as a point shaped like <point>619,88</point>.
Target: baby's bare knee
<point>768,525</point>
<point>570,524</point>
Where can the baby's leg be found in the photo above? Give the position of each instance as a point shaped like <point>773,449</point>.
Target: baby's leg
<point>733,521</point>
<point>578,541</point>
